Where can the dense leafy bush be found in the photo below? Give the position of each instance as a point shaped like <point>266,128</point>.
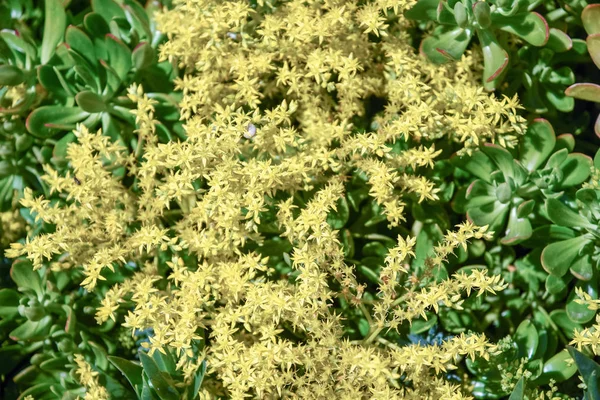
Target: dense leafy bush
<point>299,199</point>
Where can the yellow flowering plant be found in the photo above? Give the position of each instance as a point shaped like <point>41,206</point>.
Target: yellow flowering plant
<point>296,240</point>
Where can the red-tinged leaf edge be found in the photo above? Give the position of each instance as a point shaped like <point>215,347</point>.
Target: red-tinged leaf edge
<point>499,70</point>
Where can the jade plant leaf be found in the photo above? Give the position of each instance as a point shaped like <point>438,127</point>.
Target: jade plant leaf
<point>559,41</point>
<point>495,58</point>
<point>538,143</point>
<point>55,22</point>
<point>580,313</point>
<point>593,45</point>
<point>446,44</point>
<point>47,121</point>
<point>11,75</point>
<point>24,276</point>
<point>531,27</point>
<point>591,18</point>
<point>584,91</point>
<point>132,371</point>
<point>562,215</point>
<point>557,257</point>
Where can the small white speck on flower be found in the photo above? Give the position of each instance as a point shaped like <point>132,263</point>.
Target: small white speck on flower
<point>250,132</point>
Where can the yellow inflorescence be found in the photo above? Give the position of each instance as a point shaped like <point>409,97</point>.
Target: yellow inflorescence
<point>268,104</point>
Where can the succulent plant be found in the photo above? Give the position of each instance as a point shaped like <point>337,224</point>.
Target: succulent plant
<point>590,91</point>
<point>461,20</point>
<point>77,74</point>
<point>530,353</point>
<point>46,323</point>
<point>510,189</point>
<point>541,75</point>
<point>575,247</point>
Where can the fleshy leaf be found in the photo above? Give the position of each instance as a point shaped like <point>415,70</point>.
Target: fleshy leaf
<point>557,257</point>
<point>559,41</point>
<point>11,75</point>
<point>584,91</point>
<point>559,367</point>
<point>24,276</point>
<point>591,19</point>
<point>446,44</point>
<point>44,121</point>
<point>55,22</point>
<point>517,230</point>
<point>580,313</point>
<point>90,102</point>
<point>495,58</point>
<point>562,215</point>
<point>593,45</point>
<point>132,371</point>
<point>531,27</point>
<point>526,338</point>
<point>576,169</point>
<point>537,144</point>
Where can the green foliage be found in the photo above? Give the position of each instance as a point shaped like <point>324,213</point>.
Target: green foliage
<point>590,91</point>
<point>77,72</point>
<point>461,20</point>
<point>510,187</point>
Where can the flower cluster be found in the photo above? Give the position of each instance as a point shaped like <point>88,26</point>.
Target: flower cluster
<point>268,106</point>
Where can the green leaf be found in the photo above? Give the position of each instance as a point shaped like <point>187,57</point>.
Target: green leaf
<point>537,144</point>
<point>157,380</point>
<point>591,18</point>
<point>47,121</point>
<point>108,9</point>
<point>96,25</point>
<point>531,27</point>
<point>90,102</point>
<point>495,58</point>
<point>25,277</point>
<point>580,313</point>
<point>576,169</point>
<point>584,91</point>
<point>424,10</point>
<point>526,338</point>
<point>588,368</point>
<point>119,56</point>
<point>518,392</point>
<point>81,43</point>
<point>142,56</point>
<point>446,44</point>
<point>558,257</point>
<point>562,215</point>
<point>477,164</point>
<point>9,303</point>
<point>482,13</point>
<point>593,45</point>
<point>55,22</point>
<point>32,330</point>
<point>562,320</point>
<point>421,325</point>
<point>583,268</point>
<point>492,214</point>
<point>338,218</point>
<point>11,75</point>
<point>559,41</point>
<point>59,153</point>
<point>502,158</point>
<point>517,230</point>
<point>198,378</point>
<point>132,371</point>
<point>555,284</point>
<point>558,368</point>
